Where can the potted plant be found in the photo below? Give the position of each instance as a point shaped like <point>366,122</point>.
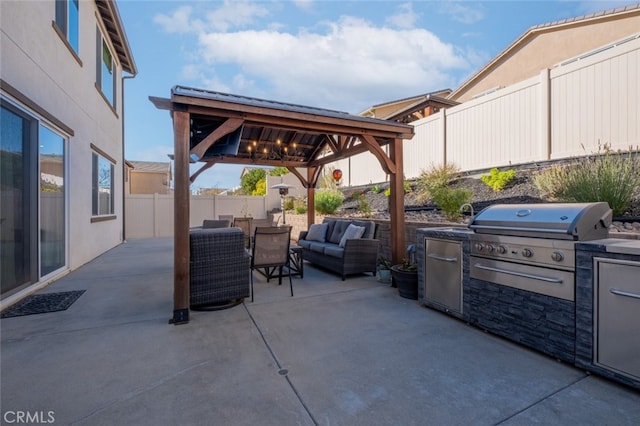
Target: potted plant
<point>384,270</point>
<point>405,275</point>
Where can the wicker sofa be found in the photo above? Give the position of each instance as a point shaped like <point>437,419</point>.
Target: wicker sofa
<point>331,245</point>
<point>219,268</point>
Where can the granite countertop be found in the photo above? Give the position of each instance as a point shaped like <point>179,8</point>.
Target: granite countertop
<point>617,245</point>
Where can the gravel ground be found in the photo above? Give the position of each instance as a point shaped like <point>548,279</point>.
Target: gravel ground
<point>520,190</point>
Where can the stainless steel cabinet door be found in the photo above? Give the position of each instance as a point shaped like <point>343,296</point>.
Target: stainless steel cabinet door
<point>443,273</point>
<point>618,316</point>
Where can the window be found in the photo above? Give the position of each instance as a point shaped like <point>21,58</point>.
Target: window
<point>106,70</point>
<point>102,170</point>
<point>67,21</point>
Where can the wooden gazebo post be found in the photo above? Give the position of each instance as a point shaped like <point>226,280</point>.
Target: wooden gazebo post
<point>396,206</point>
<point>181,196</point>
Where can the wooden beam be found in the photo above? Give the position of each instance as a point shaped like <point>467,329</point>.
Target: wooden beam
<point>225,128</point>
<point>206,166</point>
<point>181,219</point>
<point>396,205</point>
<point>296,173</point>
<point>387,164</point>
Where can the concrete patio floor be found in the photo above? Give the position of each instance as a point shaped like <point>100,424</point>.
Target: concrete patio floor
<point>338,353</point>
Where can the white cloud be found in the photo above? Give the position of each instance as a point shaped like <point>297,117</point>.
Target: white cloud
<point>230,14</point>
<point>462,12</point>
<point>235,13</point>
<point>304,4</point>
<point>349,66</point>
<point>405,17</point>
<point>178,22</point>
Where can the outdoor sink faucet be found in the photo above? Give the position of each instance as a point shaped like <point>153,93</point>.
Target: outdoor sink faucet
<point>467,206</point>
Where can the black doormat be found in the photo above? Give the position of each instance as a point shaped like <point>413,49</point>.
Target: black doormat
<point>43,303</point>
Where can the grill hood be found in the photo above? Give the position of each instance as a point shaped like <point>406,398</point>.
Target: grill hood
<point>565,221</point>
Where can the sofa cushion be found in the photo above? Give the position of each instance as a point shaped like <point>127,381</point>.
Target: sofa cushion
<point>331,223</point>
<point>370,228</point>
<point>334,251</point>
<point>304,244</point>
<point>338,230</point>
<point>317,232</point>
<point>317,247</point>
<point>352,232</point>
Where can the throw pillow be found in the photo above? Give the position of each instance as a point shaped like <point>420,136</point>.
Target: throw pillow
<point>317,232</point>
<point>352,232</point>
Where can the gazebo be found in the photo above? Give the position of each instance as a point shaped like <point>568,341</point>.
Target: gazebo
<point>212,127</point>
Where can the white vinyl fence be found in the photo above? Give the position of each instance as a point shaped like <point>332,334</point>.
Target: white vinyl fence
<point>567,111</point>
<point>151,215</point>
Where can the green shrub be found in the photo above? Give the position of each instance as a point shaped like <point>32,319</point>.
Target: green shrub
<point>550,182</point>
<point>387,192</point>
<point>376,189</point>
<point>278,171</point>
<point>497,180</point>
<point>299,205</point>
<point>451,199</point>
<point>435,178</point>
<point>407,187</point>
<point>288,203</point>
<point>610,177</point>
<point>363,205</point>
<point>328,201</point>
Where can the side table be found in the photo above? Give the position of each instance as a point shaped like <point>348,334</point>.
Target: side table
<point>296,263</point>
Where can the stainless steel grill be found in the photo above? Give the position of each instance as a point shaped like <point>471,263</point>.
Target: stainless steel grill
<point>522,271</point>
<point>563,221</point>
<point>531,246</point>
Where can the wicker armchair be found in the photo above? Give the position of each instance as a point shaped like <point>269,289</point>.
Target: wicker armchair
<point>219,268</point>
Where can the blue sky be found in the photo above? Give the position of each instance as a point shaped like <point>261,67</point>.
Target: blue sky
<point>344,55</point>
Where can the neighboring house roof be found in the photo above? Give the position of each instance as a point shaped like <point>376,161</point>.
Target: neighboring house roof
<point>536,30</point>
<point>409,109</point>
<point>112,22</point>
<point>150,166</point>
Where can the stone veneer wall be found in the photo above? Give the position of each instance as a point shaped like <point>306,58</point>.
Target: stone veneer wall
<point>536,320</point>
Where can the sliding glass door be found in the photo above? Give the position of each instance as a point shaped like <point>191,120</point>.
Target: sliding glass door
<point>17,220</point>
<point>32,200</point>
<point>52,201</point>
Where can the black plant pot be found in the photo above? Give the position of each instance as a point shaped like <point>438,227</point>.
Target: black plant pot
<point>406,281</point>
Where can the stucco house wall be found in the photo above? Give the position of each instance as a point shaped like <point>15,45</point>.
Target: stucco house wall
<point>42,77</point>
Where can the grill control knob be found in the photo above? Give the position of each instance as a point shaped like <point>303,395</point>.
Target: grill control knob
<point>502,249</point>
<point>479,246</point>
<point>527,252</point>
<point>490,248</point>
<point>557,256</point>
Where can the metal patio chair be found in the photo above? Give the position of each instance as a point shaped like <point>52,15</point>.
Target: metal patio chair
<point>270,251</point>
<point>245,224</point>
